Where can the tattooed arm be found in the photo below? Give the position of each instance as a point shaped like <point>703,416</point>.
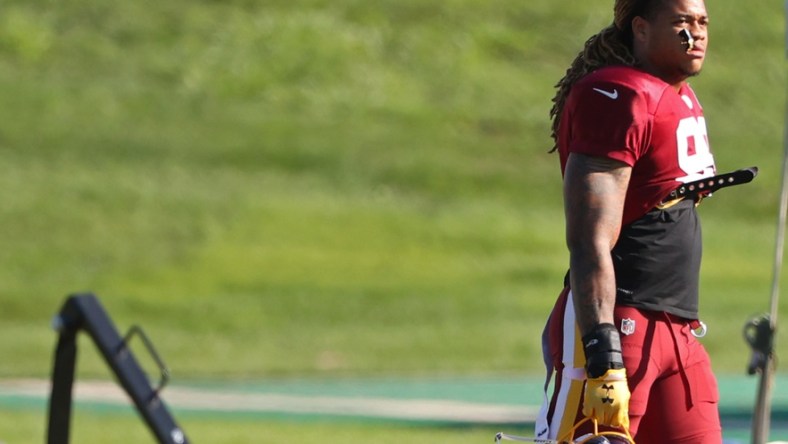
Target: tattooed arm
<point>594,193</point>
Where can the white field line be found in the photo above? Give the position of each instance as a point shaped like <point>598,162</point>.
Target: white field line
<point>186,398</point>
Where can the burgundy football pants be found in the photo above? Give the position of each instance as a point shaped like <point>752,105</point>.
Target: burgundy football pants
<point>674,392</point>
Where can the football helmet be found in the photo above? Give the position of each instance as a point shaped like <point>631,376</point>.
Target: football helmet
<point>597,437</point>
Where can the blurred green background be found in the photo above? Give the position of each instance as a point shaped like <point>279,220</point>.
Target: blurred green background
<point>339,188</point>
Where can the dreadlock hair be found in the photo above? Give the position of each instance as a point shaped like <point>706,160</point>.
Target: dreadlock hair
<point>611,46</point>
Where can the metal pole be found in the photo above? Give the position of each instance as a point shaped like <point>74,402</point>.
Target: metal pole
<point>762,415</point>
<point>781,221</point>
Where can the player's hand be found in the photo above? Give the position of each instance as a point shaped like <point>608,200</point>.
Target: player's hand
<point>607,394</point>
<point>607,399</point>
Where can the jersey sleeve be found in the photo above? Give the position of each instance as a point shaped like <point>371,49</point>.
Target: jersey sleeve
<point>608,120</point>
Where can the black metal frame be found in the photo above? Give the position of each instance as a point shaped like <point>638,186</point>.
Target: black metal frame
<point>84,312</point>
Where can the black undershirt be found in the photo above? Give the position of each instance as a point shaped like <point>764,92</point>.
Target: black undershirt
<point>657,261</point>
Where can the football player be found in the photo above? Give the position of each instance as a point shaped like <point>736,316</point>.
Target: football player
<point>628,130</point>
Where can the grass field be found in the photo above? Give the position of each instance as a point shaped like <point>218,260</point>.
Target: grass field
<point>312,188</point>
<point>126,428</point>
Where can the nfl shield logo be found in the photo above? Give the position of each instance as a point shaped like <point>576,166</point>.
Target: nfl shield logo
<point>627,326</point>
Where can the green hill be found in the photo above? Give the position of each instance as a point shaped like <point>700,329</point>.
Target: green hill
<point>322,188</point>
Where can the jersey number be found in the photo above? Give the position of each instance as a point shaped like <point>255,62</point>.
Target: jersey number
<point>695,157</point>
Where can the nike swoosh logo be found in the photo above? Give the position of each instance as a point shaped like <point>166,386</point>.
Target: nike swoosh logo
<point>612,94</point>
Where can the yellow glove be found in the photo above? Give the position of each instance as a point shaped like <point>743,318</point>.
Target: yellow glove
<point>606,399</point>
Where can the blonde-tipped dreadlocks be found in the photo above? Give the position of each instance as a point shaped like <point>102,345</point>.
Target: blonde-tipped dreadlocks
<point>611,46</point>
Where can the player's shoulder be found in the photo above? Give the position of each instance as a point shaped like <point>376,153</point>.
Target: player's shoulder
<point>627,77</point>
<point>626,81</point>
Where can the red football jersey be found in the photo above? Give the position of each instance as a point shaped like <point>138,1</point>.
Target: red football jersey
<point>626,114</point>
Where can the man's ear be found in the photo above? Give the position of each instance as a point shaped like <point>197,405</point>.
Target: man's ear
<point>640,29</point>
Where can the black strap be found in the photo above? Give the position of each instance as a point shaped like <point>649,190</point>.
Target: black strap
<point>602,347</point>
<point>711,184</point>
